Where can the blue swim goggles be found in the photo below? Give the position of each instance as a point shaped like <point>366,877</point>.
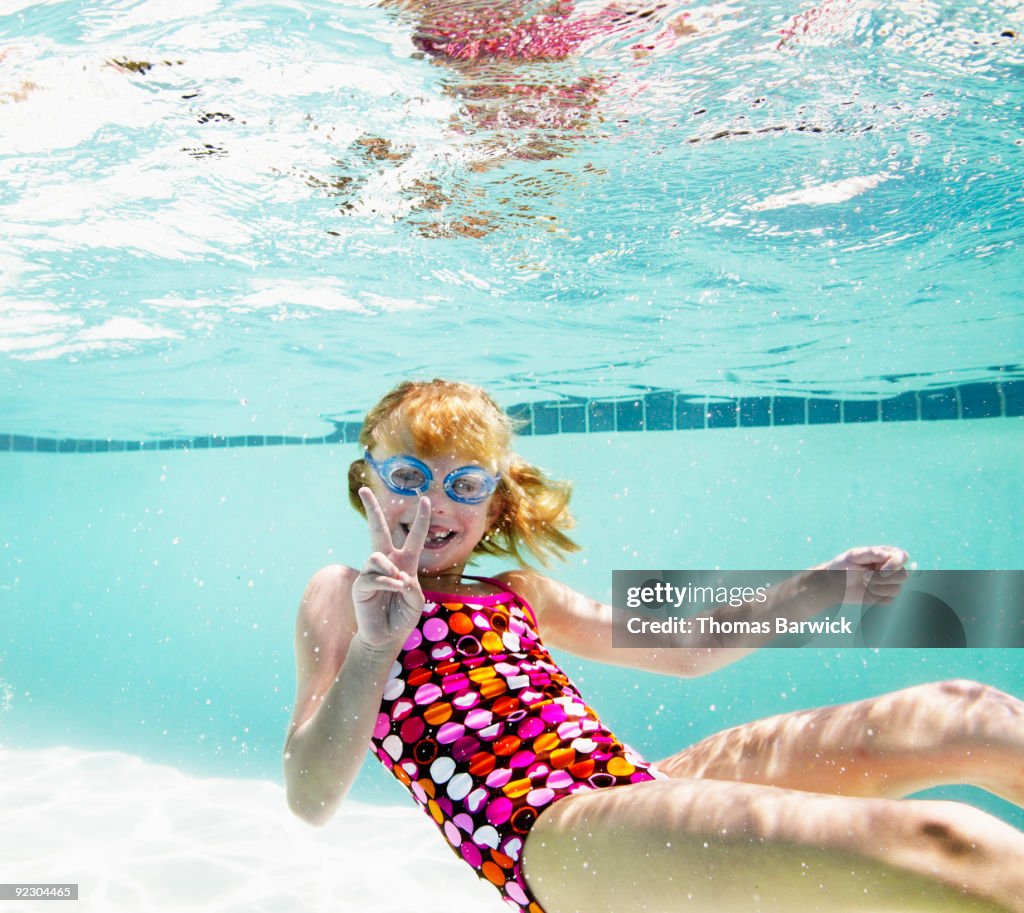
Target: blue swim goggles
<point>405,475</point>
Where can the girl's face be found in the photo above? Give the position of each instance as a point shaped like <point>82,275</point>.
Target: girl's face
<point>455,528</point>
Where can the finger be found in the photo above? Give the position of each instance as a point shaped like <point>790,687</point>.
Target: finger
<point>890,592</point>
<point>896,577</point>
<point>380,535</point>
<point>410,592</point>
<point>876,557</point>
<point>896,560</point>
<point>418,531</point>
<point>887,585</point>
<point>380,565</point>
<point>384,584</point>
<point>409,580</point>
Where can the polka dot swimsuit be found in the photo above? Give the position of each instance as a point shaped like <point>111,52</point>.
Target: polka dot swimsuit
<point>486,731</point>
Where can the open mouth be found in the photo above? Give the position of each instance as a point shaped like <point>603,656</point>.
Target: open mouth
<point>436,538</point>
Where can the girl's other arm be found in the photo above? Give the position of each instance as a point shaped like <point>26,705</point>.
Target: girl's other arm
<point>583,626</point>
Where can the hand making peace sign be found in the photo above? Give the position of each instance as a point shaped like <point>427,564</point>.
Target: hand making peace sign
<point>386,594</point>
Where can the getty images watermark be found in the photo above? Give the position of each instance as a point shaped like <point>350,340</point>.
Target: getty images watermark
<point>749,609</point>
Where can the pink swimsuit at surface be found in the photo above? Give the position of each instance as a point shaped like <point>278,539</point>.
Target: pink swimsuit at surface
<point>553,35</point>
<point>486,731</point>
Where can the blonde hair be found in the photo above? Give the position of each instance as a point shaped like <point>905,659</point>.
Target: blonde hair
<point>432,418</point>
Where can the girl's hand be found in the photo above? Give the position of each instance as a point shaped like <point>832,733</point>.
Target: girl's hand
<point>387,596</point>
<point>874,573</point>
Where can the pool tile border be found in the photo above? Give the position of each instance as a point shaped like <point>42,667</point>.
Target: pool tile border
<point>654,410</point>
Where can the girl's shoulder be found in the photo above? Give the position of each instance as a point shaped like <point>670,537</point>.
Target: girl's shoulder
<point>540,591</point>
<point>328,591</point>
<point>333,576</point>
<point>520,580</point>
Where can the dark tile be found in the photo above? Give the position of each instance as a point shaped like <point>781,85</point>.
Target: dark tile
<point>601,416</point>
<point>545,418</point>
<point>522,415</point>
<point>660,411</point>
<point>755,411</point>
<point>789,410</point>
<point>5,442</point>
<point>980,400</point>
<point>1013,397</point>
<point>902,408</point>
<point>937,405</point>
<point>573,418</point>
<point>690,414</point>
<point>821,411</point>
<point>860,410</point>
<point>656,411</point>
<point>723,414</point>
<point>629,415</point>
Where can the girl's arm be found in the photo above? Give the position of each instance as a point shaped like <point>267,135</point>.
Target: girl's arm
<point>350,630</point>
<point>340,683</point>
<point>583,626</point>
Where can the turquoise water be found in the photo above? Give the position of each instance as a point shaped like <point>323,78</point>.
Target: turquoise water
<point>156,616</point>
<point>231,224</point>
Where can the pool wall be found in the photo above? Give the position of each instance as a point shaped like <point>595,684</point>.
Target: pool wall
<point>652,410</point>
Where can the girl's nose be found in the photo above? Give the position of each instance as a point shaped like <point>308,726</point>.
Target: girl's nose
<point>439,501</point>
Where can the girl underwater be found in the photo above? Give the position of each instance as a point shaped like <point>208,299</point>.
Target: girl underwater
<point>445,679</point>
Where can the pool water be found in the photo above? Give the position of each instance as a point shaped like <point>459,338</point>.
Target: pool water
<point>238,217</point>
<point>149,604</point>
<point>755,288</point>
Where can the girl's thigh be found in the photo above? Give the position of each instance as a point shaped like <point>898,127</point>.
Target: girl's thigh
<point>696,845</point>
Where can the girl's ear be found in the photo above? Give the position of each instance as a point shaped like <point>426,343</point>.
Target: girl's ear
<point>357,478</point>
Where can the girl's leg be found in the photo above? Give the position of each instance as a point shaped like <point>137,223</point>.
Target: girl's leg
<point>683,846</point>
<point>929,735</point>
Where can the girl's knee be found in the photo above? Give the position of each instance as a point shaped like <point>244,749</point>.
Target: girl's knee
<point>969,691</point>
<point>964,688</point>
<point>951,830</point>
<point>949,690</point>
